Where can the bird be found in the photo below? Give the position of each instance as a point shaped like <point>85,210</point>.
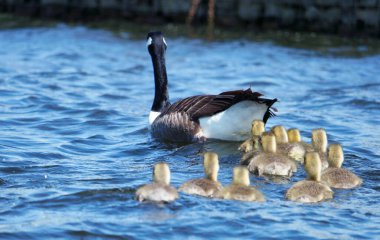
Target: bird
<point>319,143</point>
<point>294,137</point>
<point>208,186</point>
<point>269,162</point>
<point>293,151</point>
<point>159,190</point>
<point>252,146</point>
<point>240,188</point>
<point>225,116</point>
<point>311,190</point>
<point>336,177</point>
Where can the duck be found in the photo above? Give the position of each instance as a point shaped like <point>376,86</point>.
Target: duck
<point>240,188</point>
<point>294,137</point>
<point>336,177</point>
<point>292,150</point>
<point>160,190</point>
<point>225,116</point>
<point>319,143</point>
<point>269,162</point>
<point>311,190</point>
<point>208,186</point>
<point>252,146</point>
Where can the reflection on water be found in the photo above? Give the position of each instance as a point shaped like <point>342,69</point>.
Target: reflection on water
<point>75,144</point>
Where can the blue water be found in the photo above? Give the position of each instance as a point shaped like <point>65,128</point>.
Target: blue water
<point>74,142</point>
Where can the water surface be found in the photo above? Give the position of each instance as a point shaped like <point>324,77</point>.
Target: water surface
<point>74,142</point>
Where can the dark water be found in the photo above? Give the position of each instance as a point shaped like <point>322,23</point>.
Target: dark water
<point>74,142</point>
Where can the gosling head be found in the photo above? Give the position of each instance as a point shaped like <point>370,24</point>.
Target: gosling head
<point>335,155</point>
<point>319,139</point>
<point>268,141</point>
<point>280,134</point>
<point>161,173</point>
<point>313,166</point>
<point>294,135</point>
<point>257,128</point>
<point>211,165</point>
<point>241,176</point>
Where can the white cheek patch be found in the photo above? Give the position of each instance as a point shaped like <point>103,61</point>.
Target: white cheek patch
<point>164,41</point>
<point>149,41</point>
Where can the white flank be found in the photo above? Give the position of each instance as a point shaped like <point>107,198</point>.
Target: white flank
<point>152,116</point>
<point>233,124</point>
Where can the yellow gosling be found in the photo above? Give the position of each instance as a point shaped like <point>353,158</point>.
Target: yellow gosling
<point>311,190</point>
<point>253,142</point>
<point>319,143</point>
<point>159,190</point>
<point>240,188</point>
<point>269,162</point>
<point>294,137</point>
<point>208,186</point>
<point>335,176</point>
<point>294,151</point>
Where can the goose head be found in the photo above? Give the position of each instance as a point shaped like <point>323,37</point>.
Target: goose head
<point>313,166</point>
<point>294,135</point>
<point>257,128</point>
<point>280,133</point>
<point>161,173</point>
<point>211,166</point>
<point>335,155</point>
<point>319,139</point>
<point>156,43</point>
<point>268,141</point>
<point>240,176</point>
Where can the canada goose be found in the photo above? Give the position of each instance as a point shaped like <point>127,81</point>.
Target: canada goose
<point>335,176</point>
<point>292,150</point>
<point>252,146</point>
<point>319,143</point>
<point>311,190</point>
<point>240,189</point>
<point>159,190</point>
<point>269,162</point>
<point>226,116</point>
<point>209,186</point>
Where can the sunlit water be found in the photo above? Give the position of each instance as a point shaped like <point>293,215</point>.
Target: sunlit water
<point>75,143</point>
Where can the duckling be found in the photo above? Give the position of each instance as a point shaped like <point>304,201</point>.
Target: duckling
<point>252,143</point>
<point>208,186</point>
<point>292,150</point>
<point>294,137</point>
<point>252,146</point>
<point>335,176</point>
<point>270,162</point>
<point>319,143</point>
<point>159,190</point>
<point>240,189</point>
<point>311,190</point>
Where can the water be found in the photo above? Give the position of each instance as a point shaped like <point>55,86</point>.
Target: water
<point>75,144</point>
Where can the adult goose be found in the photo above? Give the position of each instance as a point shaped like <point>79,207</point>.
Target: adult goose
<point>226,116</point>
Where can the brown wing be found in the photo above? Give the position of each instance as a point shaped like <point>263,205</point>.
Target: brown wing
<point>206,105</point>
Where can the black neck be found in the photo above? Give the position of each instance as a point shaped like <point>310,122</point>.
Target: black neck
<point>161,95</point>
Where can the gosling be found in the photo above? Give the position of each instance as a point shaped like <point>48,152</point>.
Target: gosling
<point>311,190</point>
<point>335,176</point>
<point>294,137</point>
<point>252,146</point>
<point>270,162</point>
<point>319,143</point>
<point>292,150</point>
<point>240,189</point>
<point>159,190</point>
<point>208,186</point>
